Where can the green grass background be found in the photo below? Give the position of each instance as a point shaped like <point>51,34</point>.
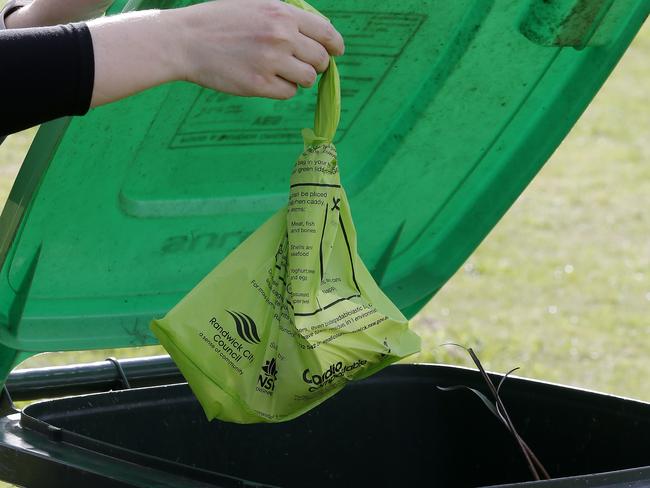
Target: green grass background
<point>561,287</point>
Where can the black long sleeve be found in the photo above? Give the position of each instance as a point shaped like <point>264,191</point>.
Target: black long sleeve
<point>45,73</point>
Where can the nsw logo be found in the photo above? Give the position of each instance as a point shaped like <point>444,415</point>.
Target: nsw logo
<point>266,381</point>
<point>246,327</point>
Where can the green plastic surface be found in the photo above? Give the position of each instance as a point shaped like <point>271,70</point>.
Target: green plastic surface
<point>449,110</point>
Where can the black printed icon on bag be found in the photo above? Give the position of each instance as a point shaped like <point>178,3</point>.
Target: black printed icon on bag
<point>335,204</point>
<point>270,368</point>
<point>246,327</point>
<point>269,375</point>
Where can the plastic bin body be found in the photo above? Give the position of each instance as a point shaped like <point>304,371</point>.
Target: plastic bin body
<point>394,429</point>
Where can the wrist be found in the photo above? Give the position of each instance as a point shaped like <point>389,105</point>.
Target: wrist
<point>133,52</point>
<point>176,46</point>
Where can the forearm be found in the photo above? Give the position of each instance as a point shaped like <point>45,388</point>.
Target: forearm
<point>262,48</point>
<point>132,53</point>
<point>52,72</point>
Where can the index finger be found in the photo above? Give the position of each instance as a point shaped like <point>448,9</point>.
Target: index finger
<point>320,30</point>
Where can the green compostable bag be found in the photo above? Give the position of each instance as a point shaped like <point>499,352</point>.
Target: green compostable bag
<point>292,314</point>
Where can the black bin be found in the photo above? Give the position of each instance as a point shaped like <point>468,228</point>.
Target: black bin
<point>396,429</point>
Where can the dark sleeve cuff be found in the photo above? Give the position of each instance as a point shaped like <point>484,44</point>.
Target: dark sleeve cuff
<point>86,80</point>
<point>49,72</point>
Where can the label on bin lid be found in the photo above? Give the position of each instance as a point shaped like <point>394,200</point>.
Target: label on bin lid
<point>448,111</point>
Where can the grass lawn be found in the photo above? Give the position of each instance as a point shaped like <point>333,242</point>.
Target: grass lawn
<point>561,287</point>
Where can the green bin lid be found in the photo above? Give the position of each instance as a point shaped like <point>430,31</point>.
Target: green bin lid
<point>449,110</point>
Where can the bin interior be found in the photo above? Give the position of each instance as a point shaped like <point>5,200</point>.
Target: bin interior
<point>393,429</point>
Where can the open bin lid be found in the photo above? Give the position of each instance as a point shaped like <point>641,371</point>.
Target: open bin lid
<point>449,110</point>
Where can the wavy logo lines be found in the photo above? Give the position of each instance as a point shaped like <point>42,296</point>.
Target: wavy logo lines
<point>246,327</point>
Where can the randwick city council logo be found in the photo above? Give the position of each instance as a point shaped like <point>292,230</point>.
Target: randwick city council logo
<point>246,328</point>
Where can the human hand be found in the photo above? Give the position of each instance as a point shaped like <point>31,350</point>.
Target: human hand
<point>40,13</point>
<point>259,48</point>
